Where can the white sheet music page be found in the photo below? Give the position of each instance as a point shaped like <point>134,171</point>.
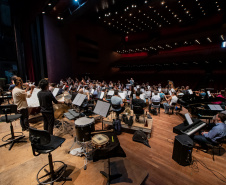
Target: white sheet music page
<point>122,95</point>
<point>55,91</point>
<point>101,95</point>
<point>33,100</point>
<point>110,93</point>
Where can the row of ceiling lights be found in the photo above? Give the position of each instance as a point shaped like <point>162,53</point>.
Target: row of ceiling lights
<point>135,28</point>
<point>175,64</point>
<point>167,46</point>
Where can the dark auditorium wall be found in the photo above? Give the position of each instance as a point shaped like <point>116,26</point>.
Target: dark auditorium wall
<point>61,42</point>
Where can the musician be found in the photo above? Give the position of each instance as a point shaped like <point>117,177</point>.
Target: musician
<point>46,98</point>
<point>12,85</point>
<point>131,81</point>
<point>138,102</point>
<point>19,98</point>
<point>117,100</point>
<point>220,95</point>
<point>155,98</point>
<point>170,100</point>
<point>216,133</point>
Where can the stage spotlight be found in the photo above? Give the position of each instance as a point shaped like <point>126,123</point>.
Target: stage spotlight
<point>76,0</point>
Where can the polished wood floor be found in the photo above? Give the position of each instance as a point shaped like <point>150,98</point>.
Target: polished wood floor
<point>19,166</point>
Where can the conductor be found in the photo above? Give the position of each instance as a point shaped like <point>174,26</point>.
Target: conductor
<point>45,99</point>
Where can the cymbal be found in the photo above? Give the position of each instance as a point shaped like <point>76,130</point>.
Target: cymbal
<point>59,110</point>
<point>63,97</point>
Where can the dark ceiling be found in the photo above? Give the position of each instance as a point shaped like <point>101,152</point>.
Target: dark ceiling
<point>161,29</point>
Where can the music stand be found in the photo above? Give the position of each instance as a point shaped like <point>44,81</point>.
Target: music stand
<point>55,91</point>
<point>79,99</point>
<point>102,108</point>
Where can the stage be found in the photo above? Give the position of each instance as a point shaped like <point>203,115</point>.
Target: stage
<point>19,166</point>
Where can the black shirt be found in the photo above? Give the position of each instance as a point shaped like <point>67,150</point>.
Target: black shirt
<point>138,102</point>
<point>45,99</point>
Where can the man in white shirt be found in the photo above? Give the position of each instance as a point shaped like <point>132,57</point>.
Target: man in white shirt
<point>19,98</point>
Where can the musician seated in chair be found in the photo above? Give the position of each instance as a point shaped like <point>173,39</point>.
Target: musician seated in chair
<point>155,98</point>
<point>117,100</point>
<point>172,99</point>
<point>216,133</point>
<point>138,102</point>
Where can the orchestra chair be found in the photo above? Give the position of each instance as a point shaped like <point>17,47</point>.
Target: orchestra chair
<point>172,108</point>
<point>44,143</point>
<point>155,105</point>
<point>9,109</point>
<point>138,111</point>
<point>116,112</point>
<point>216,146</point>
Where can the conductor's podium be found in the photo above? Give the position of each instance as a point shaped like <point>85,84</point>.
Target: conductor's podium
<point>135,126</point>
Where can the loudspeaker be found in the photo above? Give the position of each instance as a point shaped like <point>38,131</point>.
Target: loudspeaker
<point>182,150</point>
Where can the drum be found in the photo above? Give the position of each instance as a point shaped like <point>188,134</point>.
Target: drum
<point>99,140</point>
<point>83,128</point>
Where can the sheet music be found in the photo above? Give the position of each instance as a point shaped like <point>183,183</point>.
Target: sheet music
<point>142,96</point>
<point>134,96</point>
<point>33,100</point>
<point>79,99</point>
<point>152,94</point>
<point>188,118</point>
<point>102,108</point>
<point>101,95</point>
<point>78,88</point>
<point>159,89</point>
<point>125,92</point>
<point>208,92</point>
<point>135,88</point>
<point>122,95</point>
<point>55,91</point>
<point>190,91</point>
<point>129,93</point>
<point>138,86</point>
<point>215,107</point>
<point>64,87</point>
<point>70,87</point>
<point>110,93</point>
<point>92,91</point>
<point>142,90</point>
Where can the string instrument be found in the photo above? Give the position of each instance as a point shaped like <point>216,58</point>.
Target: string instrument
<point>171,84</point>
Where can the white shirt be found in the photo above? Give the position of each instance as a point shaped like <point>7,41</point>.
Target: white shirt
<point>173,100</point>
<point>156,98</point>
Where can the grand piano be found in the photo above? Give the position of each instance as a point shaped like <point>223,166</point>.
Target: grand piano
<point>201,108</point>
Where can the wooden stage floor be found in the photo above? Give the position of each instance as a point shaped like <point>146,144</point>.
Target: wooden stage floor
<point>19,166</point>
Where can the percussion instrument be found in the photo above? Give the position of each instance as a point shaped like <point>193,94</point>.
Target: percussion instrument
<point>99,140</point>
<point>65,97</point>
<point>59,110</point>
<point>83,128</point>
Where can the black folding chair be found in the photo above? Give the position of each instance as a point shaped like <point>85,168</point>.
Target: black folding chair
<point>9,109</point>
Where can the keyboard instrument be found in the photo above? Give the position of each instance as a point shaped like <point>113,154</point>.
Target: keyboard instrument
<point>183,128</point>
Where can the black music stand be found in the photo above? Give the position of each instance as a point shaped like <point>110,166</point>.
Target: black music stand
<point>113,149</point>
<point>102,108</point>
<point>79,99</point>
